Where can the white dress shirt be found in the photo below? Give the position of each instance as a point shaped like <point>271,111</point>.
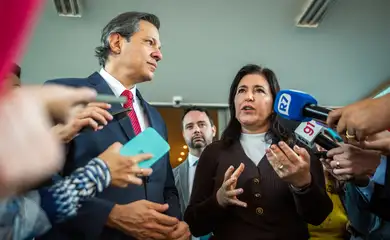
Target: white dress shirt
<point>118,89</point>
<point>192,161</point>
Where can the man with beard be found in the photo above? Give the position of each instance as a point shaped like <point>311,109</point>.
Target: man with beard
<point>198,132</point>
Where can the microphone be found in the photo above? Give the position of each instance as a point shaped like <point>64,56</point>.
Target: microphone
<point>331,133</point>
<point>119,115</point>
<point>310,133</point>
<point>299,106</point>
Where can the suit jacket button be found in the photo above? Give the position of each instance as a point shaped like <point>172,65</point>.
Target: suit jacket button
<point>259,211</point>
<point>256,180</point>
<point>258,195</point>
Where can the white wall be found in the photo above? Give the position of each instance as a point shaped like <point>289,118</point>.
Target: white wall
<point>206,42</point>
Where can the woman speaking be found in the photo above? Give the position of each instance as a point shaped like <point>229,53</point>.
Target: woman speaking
<point>251,184</point>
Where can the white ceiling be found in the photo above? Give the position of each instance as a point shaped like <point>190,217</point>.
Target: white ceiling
<point>206,42</point>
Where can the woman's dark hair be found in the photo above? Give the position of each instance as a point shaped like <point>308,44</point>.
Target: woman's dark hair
<point>232,132</point>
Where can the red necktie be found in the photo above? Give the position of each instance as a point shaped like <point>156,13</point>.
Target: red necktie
<point>132,115</point>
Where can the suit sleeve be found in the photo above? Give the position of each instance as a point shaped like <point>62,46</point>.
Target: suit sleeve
<point>93,214</point>
<point>379,203</point>
<point>171,195</point>
<point>59,201</point>
<point>378,178</point>
<point>357,209</point>
<point>308,201</point>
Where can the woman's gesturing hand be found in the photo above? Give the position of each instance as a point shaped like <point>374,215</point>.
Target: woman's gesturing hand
<point>227,193</point>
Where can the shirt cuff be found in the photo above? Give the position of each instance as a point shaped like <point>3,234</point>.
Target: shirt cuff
<point>380,173</point>
<point>366,192</point>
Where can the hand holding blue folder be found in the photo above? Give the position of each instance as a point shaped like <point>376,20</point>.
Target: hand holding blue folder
<point>148,141</point>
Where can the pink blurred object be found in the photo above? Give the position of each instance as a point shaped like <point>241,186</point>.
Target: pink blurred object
<point>17,18</point>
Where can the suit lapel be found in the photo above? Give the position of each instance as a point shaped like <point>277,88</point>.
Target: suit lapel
<point>152,116</point>
<point>102,87</point>
<point>147,110</point>
<point>185,189</point>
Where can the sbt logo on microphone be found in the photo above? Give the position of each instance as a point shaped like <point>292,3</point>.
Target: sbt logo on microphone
<point>284,104</point>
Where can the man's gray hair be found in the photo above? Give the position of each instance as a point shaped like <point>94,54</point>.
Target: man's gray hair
<point>125,24</point>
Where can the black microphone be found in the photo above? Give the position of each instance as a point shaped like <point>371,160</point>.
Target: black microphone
<point>325,142</point>
<point>119,115</point>
<point>316,112</point>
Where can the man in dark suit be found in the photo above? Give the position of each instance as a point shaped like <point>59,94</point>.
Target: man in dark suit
<point>129,54</point>
<point>198,132</point>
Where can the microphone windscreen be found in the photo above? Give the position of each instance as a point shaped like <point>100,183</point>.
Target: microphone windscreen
<point>289,104</point>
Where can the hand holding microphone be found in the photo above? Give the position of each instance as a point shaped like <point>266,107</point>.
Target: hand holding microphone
<point>362,118</point>
<point>312,133</point>
<point>354,122</point>
<point>299,106</point>
<point>353,161</point>
<point>94,115</point>
<point>61,102</point>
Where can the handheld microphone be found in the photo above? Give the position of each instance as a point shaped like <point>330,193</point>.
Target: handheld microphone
<point>330,132</point>
<point>299,106</point>
<point>310,133</point>
<point>119,115</point>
